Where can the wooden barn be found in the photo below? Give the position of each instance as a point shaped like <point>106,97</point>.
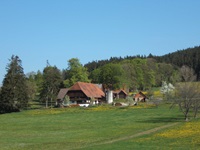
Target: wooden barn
<point>83,93</point>
<point>140,97</point>
<point>119,94</point>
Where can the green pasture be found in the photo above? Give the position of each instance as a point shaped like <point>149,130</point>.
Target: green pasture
<point>103,127</point>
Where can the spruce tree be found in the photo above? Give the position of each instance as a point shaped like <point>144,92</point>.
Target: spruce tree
<point>13,96</point>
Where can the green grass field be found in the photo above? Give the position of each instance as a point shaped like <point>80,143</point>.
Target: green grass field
<point>96,128</point>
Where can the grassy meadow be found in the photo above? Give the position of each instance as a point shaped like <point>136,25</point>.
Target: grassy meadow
<point>102,127</point>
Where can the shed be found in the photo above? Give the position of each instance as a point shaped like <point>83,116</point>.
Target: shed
<point>61,95</point>
<point>119,94</point>
<point>141,97</point>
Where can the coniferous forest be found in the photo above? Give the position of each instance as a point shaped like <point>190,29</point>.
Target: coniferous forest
<point>189,57</point>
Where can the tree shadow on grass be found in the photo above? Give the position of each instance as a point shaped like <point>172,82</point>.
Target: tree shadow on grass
<point>162,120</point>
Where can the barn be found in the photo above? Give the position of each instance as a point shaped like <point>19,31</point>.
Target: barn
<point>83,93</point>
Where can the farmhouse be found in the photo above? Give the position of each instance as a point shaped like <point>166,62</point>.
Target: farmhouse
<point>141,97</point>
<point>84,93</point>
<point>119,94</point>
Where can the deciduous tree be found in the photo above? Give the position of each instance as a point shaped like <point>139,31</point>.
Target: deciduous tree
<point>75,72</point>
<point>187,97</point>
<point>112,75</point>
<point>187,93</point>
<point>51,83</point>
<point>130,75</point>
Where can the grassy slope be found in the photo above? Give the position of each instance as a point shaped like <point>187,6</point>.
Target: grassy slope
<point>77,128</point>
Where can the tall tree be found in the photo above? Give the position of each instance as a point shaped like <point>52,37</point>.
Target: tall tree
<point>52,81</point>
<point>95,75</point>
<point>187,93</point>
<point>112,76</point>
<point>187,98</point>
<point>14,95</point>
<point>149,79</point>
<point>75,72</point>
<point>38,80</point>
<point>130,74</point>
<point>31,85</point>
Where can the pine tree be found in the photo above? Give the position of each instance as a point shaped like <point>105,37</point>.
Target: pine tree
<point>13,96</point>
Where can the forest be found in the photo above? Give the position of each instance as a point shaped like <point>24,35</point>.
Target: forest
<point>130,73</point>
<point>189,57</point>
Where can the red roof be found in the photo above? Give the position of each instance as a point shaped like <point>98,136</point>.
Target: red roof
<point>89,89</point>
<point>118,91</point>
<point>140,94</point>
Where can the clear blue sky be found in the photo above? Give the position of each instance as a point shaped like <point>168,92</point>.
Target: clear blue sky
<point>58,30</point>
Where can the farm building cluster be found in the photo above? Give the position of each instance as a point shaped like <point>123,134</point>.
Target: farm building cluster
<point>84,94</point>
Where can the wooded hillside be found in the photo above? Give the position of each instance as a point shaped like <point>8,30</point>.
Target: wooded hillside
<point>189,57</point>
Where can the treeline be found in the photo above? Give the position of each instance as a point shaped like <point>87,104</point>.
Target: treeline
<point>189,57</point>
<point>96,64</point>
<point>130,73</point>
<point>141,74</point>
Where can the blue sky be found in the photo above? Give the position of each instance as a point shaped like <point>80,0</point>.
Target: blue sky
<point>58,30</point>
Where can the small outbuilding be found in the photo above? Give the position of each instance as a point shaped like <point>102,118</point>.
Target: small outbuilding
<point>61,96</point>
<point>119,94</point>
<point>140,97</point>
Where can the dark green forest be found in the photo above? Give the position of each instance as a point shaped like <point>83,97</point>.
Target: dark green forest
<point>189,57</point>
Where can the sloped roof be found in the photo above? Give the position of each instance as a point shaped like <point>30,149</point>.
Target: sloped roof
<point>89,89</point>
<point>62,93</point>
<point>118,91</point>
<point>140,94</point>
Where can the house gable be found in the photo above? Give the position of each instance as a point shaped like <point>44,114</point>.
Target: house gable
<point>140,97</point>
<point>120,94</point>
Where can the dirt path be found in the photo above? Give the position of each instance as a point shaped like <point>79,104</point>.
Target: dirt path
<point>131,136</point>
<point>139,134</point>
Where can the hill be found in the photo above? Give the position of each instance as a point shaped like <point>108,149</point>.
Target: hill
<point>189,57</point>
